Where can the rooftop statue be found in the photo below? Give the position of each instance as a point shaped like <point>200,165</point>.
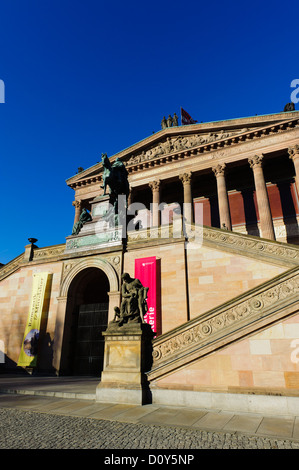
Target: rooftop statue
<point>169,121</point>
<point>84,217</point>
<point>289,107</point>
<point>163,123</point>
<point>133,305</point>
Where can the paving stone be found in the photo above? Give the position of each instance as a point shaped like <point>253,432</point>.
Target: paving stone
<point>213,420</point>
<point>21,429</point>
<point>243,423</point>
<point>279,427</point>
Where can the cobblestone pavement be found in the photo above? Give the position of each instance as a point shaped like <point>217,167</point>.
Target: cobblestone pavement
<point>34,430</point>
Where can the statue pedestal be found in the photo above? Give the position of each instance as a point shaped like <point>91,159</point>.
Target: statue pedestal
<point>127,356</point>
<point>100,232</point>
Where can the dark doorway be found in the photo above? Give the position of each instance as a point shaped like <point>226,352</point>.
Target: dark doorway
<point>89,344</point>
<point>87,317</point>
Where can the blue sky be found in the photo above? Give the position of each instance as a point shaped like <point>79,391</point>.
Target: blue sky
<point>86,77</point>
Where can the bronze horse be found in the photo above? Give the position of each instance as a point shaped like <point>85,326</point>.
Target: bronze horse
<point>115,176</point>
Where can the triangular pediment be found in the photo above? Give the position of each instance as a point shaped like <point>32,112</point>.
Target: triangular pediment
<point>204,136</point>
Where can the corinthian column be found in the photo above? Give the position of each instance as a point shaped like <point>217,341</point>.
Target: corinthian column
<point>294,155</point>
<point>223,204</point>
<point>155,187</point>
<point>263,204</point>
<point>188,209</point>
<point>78,208</point>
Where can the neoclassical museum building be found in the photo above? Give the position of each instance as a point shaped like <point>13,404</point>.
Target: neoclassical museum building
<point>213,228</point>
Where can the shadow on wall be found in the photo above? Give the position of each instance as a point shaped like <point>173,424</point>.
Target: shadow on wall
<point>43,365</point>
<point>8,366</point>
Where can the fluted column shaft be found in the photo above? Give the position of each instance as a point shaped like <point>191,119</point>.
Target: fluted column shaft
<point>188,202</point>
<point>263,204</point>
<point>294,155</point>
<point>224,212</point>
<point>78,209</point>
<point>155,187</point>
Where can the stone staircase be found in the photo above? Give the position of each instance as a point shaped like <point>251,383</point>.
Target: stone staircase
<point>248,313</point>
<point>241,316</point>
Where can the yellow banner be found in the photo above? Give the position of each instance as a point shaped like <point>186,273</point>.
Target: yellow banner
<point>28,354</point>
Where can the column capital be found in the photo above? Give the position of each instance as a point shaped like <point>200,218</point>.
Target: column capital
<point>293,152</point>
<point>256,161</point>
<point>219,169</point>
<point>76,204</point>
<point>185,177</point>
<point>155,185</point>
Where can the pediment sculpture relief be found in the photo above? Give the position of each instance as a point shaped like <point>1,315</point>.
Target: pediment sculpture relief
<point>179,143</point>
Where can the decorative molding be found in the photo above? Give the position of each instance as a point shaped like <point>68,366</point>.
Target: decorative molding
<point>238,317</point>
<point>71,269</point>
<point>48,252</point>
<point>178,144</point>
<point>11,267</point>
<point>277,253</point>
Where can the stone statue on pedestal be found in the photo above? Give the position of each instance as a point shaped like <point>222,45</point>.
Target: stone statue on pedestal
<point>133,305</point>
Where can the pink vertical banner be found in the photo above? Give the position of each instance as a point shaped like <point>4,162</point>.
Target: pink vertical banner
<point>147,270</point>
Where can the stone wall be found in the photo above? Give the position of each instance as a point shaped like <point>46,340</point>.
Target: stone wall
<point>214,277</point>
<point>15,297</point>
<point>265,363</point>
<point>173,280</point>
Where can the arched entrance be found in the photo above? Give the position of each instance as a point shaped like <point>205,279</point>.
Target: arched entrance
<point>86,318</point>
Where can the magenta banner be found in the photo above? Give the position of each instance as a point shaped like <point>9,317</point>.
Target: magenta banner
<point>147,270</point>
